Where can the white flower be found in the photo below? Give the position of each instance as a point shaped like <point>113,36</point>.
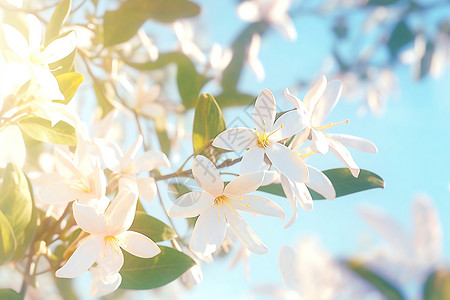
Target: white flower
<point>273,12</point>
<point>317,104</point>
<point>130,165</point>
<point>252,57</point>
<point>219,59</point>
<point>13,149</point>
<point>146,97</point>
<point>185,35</point>
<point>37,59</point>
<point>108,234</point>
<point>218,206</point>
<point>264,140</point>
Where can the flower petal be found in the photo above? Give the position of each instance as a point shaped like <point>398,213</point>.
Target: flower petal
<point>82,259</point>
<point>16,41</point>
<point>271,177</point>
<point>121,211</point>
<point>303,196</point>
<point>355,142</point>
<point>244,233</point>
<point>252,160</point>
<point>149,160</point>
<point>209,232</point>
<point>327,102</point>
<point>288,124</point>
<point>287,188</point>
<point>287,162</point>
<point>300,139</point>
<point>111,258</point>
<point>103,286</point>
<point>319,143</point>
<point>191,204</point>
<point>60,48</point>
<point>47,82</point>
<point>264,111</point>
<point>35,32</point>
<point>286,263</point>
<point>314,94</point>
<point>244,184</point>
<point>89,219</point>
<point>320,183</point>
<point>259,205</point>
<point>138,244</point>
<point>13,147</point>
<point>238,138</point>
<point>147,188</point>
<point>344,155</point>
<point>128,157</point>
<point>207,175</point>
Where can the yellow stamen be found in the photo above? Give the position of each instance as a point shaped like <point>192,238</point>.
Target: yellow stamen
<point>113,242</point>
<point>329,125</point>
<point>224,200</point>
<point>263,139</point>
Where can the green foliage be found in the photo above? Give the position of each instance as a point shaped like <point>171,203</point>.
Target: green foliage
<point>152,227</point>
<point>57,19</point>
<point>190,82</point>
<point>401,36</point>
<point>208,122</point>
<point>386,288</point>
<point>68,84</point>
<point>382,2</point>
<point>343,181</point>
<point>16,203</point>
<point>163,137</point>
<point>42,130</point>
<point>7,240</point>
<point>437,286</point>
<point>122,24</point>
<point>149,273</point>
<point>66,64</point>
<point>9,294</point>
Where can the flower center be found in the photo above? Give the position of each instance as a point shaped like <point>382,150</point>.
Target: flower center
<point>113,242</point>
<point>263,139</point>
<point>224,200</point>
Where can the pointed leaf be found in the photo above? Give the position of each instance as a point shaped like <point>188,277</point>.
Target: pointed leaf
<point>7,240</point>
<point>61,12</point>
<point>68,84</point>
<point>149,273</point>
<point>152,227</point>
<point>386,288</point>
<point>437,286</point>
<point>208,121</point>
<point>343,181</point>
<point>42,130</point>
<point>122,24</point>
<point>9,294</point>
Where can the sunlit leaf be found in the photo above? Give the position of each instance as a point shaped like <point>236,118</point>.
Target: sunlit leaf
<point>42,130</point>
<point>386,288</point>
<point>234,98</point>
<point>7,240</point>
<point>104,104</point>
<point>437,286</point>
<point>343,181</point>
<point>68,84</point>
<point>56,21</point>
<point>400,37</point>
<point>152,227</point>
<point>163,137</point>
<point>9,294</point>
<point>208,121</point>
<point>122,24</point>
<point>15,201</point>
<point>66,64</point>
<point>149,273</point>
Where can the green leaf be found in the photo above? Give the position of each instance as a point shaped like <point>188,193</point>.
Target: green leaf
<point>105,105</point>
<point>437,286</point>
<point>152,227</point>
<point>9,294</point>
<point>189,81</point>
<point>382,2</point>
<point>149,273</point>
<point>234,98</point>
<point>67,63</point>
<point>65,288</point>
<point>68,84</point>
<point>343,181</point>
<point>382,285</point>
<point>15,201</point>
<point>42,130</point>
<point>400,37</point>
<point>163,137</point>
<point>7,240</point>
<point>122,24</point>
<point>57,19</point>
<point>208,121</point>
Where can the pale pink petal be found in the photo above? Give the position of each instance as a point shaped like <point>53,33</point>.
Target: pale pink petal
<point>264,111</point>
<point>89,219</point>
<point>207,175</point>
<point>314,94</point>
<point>191,204</point>
<point>111,258</point>
<point>147,188</point>
<point>238,138</point>
<point>244,184</point>
<point>209,232</point>
<point>249,11</point>
<point>258,205</point>
<point>13,147</point>
<point>252,160</point>
<point>82,259</point>
<point>319,143</point>
<point>287,162</point>
<point>60,48</point>
<point>299,105</point>
<point>121,212</point>
<point>344,155</point>
<point>327,102</point>
<point>138,244</point>
<point>147,161</point>
<point>355,142</point>
<point>271,177</point>
<point>320,183</point>
<point>244,233</point>
<point>286,27</point>
<point>16,41</point>
<point>58,192</point>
